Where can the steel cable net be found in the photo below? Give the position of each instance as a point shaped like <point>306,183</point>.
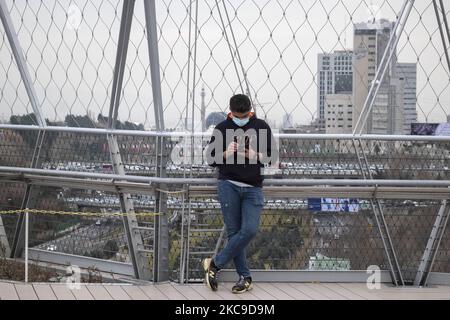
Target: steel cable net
<point>284,242</point>
<point>294,237</point>
<point>70,51</point>
<point>85,223</point>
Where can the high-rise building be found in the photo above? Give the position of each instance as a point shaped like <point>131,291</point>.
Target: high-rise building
<point>408,73</point>
<point>395,105</point>
<point>339,113</point>
<point>203,110</point>
<point>388,110</point>
<point>335,77</point>
<point>370,42</point>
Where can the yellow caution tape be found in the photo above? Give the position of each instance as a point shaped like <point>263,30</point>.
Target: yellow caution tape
<point>171,192</point>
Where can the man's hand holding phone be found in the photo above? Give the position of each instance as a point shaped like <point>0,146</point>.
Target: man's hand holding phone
<point>231,150</point>
<point>251,154</point>
<point>248,153</point>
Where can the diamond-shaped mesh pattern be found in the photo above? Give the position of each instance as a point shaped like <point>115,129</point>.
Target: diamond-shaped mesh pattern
<point>407,160</point>
<point>10,199</point>
<point>96,237</point>
<point>291,237</point>
<point>410,224</point>
<point>17,147</point>
<point>70,50</point>
<point>442,261</point>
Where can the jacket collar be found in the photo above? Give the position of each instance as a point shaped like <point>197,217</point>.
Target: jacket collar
<point>252,116</point>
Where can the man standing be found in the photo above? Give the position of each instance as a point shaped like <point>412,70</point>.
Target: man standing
<point>241,147</point>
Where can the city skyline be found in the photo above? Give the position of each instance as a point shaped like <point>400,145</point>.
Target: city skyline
<point>280,56</point>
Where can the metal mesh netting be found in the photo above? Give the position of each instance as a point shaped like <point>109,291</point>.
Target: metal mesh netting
<point>293,237</point>
<point>101,236</point>
<point>297,236</point>
<point>299,158</point>
<point>70,51</point>
<point>89,228</point>
<point>10,199</point>
<point>410,223</point>
<point>443,254</point>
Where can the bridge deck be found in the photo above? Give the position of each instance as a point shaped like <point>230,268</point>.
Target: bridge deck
<point>261,291</point>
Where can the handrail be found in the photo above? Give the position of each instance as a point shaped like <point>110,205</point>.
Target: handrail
<point>211,181</point>
<point>168,134</point>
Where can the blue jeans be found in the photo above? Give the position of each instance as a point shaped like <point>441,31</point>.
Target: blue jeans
<point>241,211</point>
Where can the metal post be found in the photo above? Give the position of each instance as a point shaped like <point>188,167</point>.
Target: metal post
<point>384,65</point>
<point>28,200</point>
<point>434,241</point>
<point>193,88</point>
<point>4,239</point>
<point>161,241</point>
<point>188,68</point>
<point>136,250</point>
<point>447,27</point>
<point>188,243</point>
<point>182,241</point>
<point>152,39</point>
<point>394,267</point>
<point>121,59</point>
<point>236,53</point>
<point>229,44</point>
<point>26,244</point>
<point>441,31</point>
<point>444,15</point>
<point>140,263</point>
<point>244,72</point>
<point>219,241</point>
<point>388,56</point>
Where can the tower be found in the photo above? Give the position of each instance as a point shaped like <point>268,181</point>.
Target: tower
<point>203,110</point>
<point>370,42</point>
<point>335,75</point>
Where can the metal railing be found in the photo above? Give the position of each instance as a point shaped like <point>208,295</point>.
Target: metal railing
<point>75,175</point>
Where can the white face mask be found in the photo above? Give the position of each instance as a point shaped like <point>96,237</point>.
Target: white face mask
<point>241,122</point>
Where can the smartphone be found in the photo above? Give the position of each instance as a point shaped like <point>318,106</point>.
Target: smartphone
<point>242,140</point>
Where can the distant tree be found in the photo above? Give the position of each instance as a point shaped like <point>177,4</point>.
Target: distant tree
<point>55,123</point>
<point>30,137</point>
<point>96,253</point>
<point>79,121</point>
<point>133,126</point>
<point>27,119</point>
<point>103,120</point>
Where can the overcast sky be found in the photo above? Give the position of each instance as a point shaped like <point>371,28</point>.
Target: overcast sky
<point>71,57</point>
